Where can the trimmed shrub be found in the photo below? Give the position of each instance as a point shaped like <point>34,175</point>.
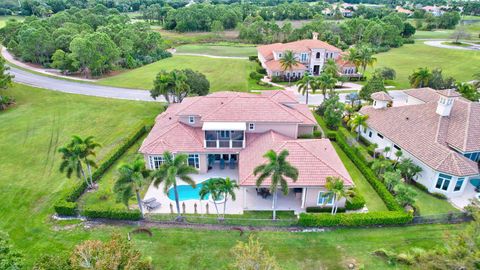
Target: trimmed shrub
<point>317,134</point>
<point>255,75</point>
<point>261,70</point>
<point>66,205</point>
<point>332,135</point>
<point>305,136</point>
<point>355,203</point>
<point>253,58</point>
<point>367,172</point>
<point>92,212</point>
<point>439,195</point>
<point>319,209</point>
<point>355,219</point>
<point>420,186</point>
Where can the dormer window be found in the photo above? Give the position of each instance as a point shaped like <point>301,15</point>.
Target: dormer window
<point>280,55</point>
<point>191,119</point>
<point>251,126</point>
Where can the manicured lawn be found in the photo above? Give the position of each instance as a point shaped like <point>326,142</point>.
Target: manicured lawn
<point>436,34</point>
<point>459,64</point>
<point>31,133</point>
<point>430,205</point>
<point>373,201</point>
<point>219,49</point>
<point>223,74</point>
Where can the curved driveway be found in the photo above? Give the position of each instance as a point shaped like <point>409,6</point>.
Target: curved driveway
<point>439,44</point>
<point>72,87</point>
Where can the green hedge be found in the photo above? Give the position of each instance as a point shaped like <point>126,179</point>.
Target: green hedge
<point>92,212</point>
<point>319,209</point>
<point>355,219</point>
<point>66,205</point>
<point>367,172</point>
<point>355,203</point>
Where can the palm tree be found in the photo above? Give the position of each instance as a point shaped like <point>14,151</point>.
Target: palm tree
<point>366,58</point>
<point>331,68</point>
<point>288,61</point>
<point>326,82</point>
<point>354,57</point>
<point>171,84</point>
<point>308,81</point>
<point>379,166</point>
<point>212,188</point>
<point>387,150</point>
<point>87,147</point>
<point>72,163</point>
<point>171,168</point>
<point>132,176</point>
<point>356,122</point>
<point>228,187</point>
<point>398,155</point>
<point>337,191</point>
<point>420,77</point>
<point>408,169</point>
<point>392,179</point>
<point>277,169</point>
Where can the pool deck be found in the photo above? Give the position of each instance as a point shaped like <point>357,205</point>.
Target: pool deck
<point>464,200</point>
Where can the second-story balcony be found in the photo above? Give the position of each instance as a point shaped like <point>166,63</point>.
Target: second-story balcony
<point>224,139</point>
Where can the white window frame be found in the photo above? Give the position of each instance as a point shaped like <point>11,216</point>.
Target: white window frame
<point>153,160</point>
<point>443,180</point>
<point>251,126</point>
<point>191,119</point>
<point>304,57</point>
<point>459,179</point>
<point>196,162</point>
<point>322,194</point>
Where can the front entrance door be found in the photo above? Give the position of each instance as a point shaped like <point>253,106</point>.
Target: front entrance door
<point>316,70</point>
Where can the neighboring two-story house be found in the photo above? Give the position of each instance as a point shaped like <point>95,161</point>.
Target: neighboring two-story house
<point>438,130</point>
<point>312,54</point>
<point>230,132</point>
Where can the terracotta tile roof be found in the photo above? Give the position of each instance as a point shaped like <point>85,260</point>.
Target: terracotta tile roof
<point>420,131</point>
<point>381,96</point>
<point>314,159</point>
<point>275,65</point>
<point>281,96</point>
<point>304,45</point>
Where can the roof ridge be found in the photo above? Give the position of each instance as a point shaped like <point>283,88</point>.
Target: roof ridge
<point>229,100</point>
<point>188,106</point>
<point>159,137</point>
<point>467,125</point>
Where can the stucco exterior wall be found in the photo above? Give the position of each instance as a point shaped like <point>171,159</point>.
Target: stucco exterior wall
<point>311,198</point>
<point>282,128</point>
<point>304,129</point>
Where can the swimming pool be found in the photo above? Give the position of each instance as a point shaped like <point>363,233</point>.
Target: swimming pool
<point>187,192</point>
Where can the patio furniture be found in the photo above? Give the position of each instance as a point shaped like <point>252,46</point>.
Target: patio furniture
<point>211,161</point>
<point>232,164</point>
<point>222,164</point>
<point>153,205</point>
<point>149,200</point>
<point>264,192</point>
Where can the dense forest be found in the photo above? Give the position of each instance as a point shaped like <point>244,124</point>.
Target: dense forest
<point>92,41</point>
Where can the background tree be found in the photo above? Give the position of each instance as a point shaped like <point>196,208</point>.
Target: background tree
<point>460,33</point>
<point>288,62</point>
<point>62,61</point>
<point>420,77</point>
<point>468,91</point>
<point>333,111</point>
<point>277,170</point>
<point>171,168</point>
<point>172,85</point>
<point>5,77</point>
<point>438,81</point>
<point>252,256</point>
<point>386,73</point>
<point>197,82</point>
<point>132,176</point>
<point>326,82</point>
<point>375,84</point>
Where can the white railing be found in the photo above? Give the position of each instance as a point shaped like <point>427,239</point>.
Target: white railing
<point>224,143</point>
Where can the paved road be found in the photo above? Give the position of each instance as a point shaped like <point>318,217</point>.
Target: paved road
<point>71,87</point>
<point>438,44</point>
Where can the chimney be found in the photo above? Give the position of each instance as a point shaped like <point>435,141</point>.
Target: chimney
<point>314,35</point>
<point>445,103</point>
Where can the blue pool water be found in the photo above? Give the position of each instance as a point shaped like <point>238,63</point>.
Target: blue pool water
<point>475,182</point>
<point>186,192</point>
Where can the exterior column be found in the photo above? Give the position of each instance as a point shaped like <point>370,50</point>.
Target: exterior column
<point>304,195</point>
<point>244,197</point>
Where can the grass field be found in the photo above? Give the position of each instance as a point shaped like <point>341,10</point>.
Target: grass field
<point>373,201</point>
<point>223,74</point>
<point>4,19</point>
<point>30,183</point>
<point>430,205</point>
<point>219,50</point>
<point>459,64</point>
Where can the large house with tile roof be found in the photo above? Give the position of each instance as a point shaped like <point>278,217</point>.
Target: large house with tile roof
<point>312,54</point>
<point>438,130</point>
<point>230,132</point>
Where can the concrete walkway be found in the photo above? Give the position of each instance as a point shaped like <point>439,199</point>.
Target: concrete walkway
<point>438,44</point>
<point>47,71</point>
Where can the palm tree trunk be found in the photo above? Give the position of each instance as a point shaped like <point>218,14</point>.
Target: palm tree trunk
<point>216,208</point>
<point>177,202</point>
<point>307,97</point>
<point>89,174</point>
<point>139,201</point>
<point>224,204</point>
<point>274,217</point>
<point>358,134</point>
<point>83,174</point>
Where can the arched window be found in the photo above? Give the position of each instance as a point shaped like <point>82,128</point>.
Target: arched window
<point>318,55</point>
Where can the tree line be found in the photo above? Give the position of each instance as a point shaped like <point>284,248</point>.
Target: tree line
<point>92,41</point>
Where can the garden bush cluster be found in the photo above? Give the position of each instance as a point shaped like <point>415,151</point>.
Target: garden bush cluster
<point>120,214</point>
<point>67,204</point>
<point>355,219</point>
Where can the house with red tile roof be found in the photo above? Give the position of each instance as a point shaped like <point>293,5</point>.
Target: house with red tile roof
<point>438,130</point>
<point>312,54</point>
<point>229,132</point>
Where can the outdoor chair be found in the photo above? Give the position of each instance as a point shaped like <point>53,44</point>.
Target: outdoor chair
<point>149,200</point>
<point>222,164</point>
<point>232,164</point>
<point>153,205</point>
